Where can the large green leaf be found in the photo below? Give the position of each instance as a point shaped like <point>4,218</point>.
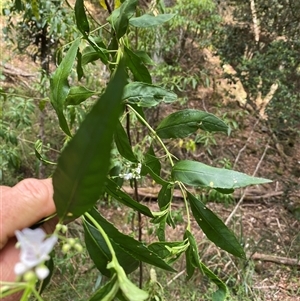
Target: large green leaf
<point>150,20</point>
<point>83,165</point>
<point>185,122</point>
<point>198,174</point>
<point>77,95</point>
<point>123,144</point>
<point>81,19</point>
<point>120,17</point>
<point>146,95</point>
<point>136,66</point>
<point>133,247</point>
<point>194,261</point>
<point>214,228</point>
<point>59,86</point>
<point>114,190</point>
<point>107,292</point>
<point>101,255</point>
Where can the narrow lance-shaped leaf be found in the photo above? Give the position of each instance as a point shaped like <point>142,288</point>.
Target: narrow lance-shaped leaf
<point>79,68</point>
<point>185,122</point>
<point>199,174</point>
<point>101,255</point>
<point>107,292</point>
<point>123,144</point>
<point>77,95</point>
<point>83,165</point>
<point>114,190</point>
<point>81,19</point>
<point>136,66</point>
<point>214,228</point>
<point>221,293</point>
<point>120,17</point>
<point>146,95</point>
<point>133,247</point>
<point>147,20</point>
<point>59,86</point>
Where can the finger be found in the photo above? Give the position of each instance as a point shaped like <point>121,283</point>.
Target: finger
<point>23,205</point>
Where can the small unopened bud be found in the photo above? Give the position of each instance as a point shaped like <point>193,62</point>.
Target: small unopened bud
<point>78,247</point>
<point>71,242</point>
<point>64,229</point>
<point>29,276</point>
<point>66,248</point>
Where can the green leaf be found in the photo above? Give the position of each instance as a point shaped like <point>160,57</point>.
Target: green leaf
<point>214,228</point>
<point>131,291</point>
<point>148,170</point>
<point>38,149</point>
<point>122,143</point>
<point>150,20</point>
<point>79,69</point>
<point>81,19</point>
<point>101,255</point>
<point>185,122</point>
<point>145,57</point>
<point>133,247</point>
<point>151,161</point>
<point>97,248</point>
<point>146,95</point>
<point>198,174</point>
<point>77,95</point>
<point>165,196</point>
<point>114,190</point>
<point>93,53</point>
<point>168,250</point>
<point>194,259</point>
<point>108,291</point>
<point>136,66</point>
<point>120,17</point>
<point>189,263</point>
<point>84,163</point>
<point>59,86</point>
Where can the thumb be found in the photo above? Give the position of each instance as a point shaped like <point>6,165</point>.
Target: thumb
<point>23,205</point>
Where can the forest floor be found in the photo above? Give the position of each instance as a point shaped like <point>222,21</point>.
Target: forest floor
<point>266,220</point>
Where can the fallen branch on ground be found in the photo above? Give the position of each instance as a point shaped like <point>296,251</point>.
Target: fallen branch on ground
<point>276,259</point>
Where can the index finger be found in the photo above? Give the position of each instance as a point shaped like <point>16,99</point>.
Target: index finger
<point>23,205</point>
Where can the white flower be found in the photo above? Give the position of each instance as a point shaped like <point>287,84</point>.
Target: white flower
<point>128,176</point>
<point>35,250</point>
<point>133,174</point>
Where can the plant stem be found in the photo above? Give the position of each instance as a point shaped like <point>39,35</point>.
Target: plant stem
<point>153,133</point>
<point>107,241</point>
<point>182,188</point>
<point>136,197</point>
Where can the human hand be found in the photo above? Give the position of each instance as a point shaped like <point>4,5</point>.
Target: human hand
<point>22,206</point>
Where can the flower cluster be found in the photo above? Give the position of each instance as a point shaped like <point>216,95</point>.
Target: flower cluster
<point>135,173</point>
<point>35,250</point>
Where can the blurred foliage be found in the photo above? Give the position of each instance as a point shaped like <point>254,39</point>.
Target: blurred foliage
<point>272,59</point>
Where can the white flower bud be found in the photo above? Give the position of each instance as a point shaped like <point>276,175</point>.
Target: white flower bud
<point>20,268</point>
<point>42,272</point>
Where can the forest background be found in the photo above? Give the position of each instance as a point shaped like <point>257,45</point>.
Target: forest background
<point>238,60</point>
